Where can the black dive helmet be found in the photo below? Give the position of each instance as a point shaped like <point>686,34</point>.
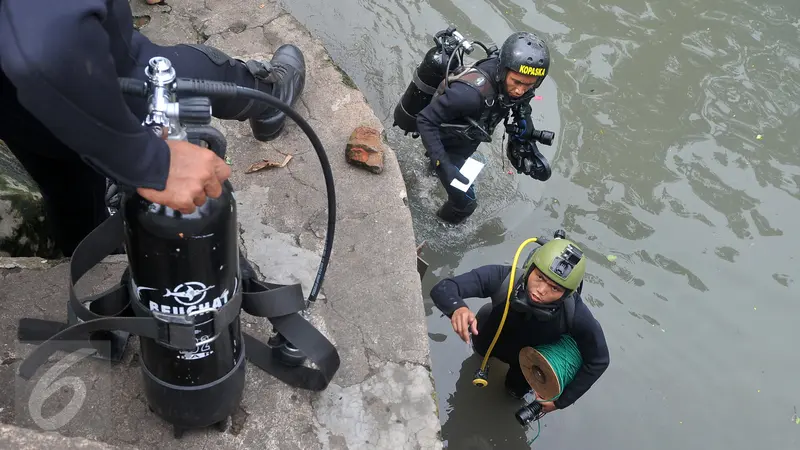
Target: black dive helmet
<point>526,53</point>
<point>560,260</point>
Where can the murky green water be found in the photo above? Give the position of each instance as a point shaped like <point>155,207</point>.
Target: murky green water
<point>657,107</point>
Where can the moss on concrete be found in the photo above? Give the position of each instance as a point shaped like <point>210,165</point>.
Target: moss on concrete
<point>345,78</point>
<point>23,226</point>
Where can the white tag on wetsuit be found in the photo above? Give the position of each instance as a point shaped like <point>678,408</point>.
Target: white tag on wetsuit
<point>470,169</point>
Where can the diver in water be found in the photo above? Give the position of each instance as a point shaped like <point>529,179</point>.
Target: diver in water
<point>64,117</point>
<point>468,106</point>
<point>545,304</point>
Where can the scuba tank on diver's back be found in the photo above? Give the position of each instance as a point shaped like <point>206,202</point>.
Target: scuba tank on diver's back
<point>439,61</point>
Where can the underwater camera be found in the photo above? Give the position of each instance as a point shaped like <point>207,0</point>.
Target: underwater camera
<point>528,413</point>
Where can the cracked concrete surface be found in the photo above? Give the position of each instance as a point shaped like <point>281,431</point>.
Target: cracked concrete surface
<point>390,410</point>
<point>370,305</point>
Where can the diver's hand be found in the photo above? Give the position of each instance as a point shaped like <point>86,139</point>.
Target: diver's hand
<point>447,171</point>
<point>463,321</point>
<point>546,406</point>
<point>195,173</point>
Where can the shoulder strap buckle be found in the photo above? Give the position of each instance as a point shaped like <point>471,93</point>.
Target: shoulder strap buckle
<point>175,332</point>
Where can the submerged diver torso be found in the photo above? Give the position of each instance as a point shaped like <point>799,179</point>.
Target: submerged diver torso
<point>540,311</point>
<point>523,329</point>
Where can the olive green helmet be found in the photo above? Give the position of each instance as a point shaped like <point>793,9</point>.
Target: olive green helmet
<point>560,260</point>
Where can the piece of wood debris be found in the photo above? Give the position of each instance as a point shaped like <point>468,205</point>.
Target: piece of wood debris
<point>267,164</point>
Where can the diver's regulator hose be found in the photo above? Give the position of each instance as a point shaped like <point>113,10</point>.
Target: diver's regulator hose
<point>219,89</point>
<point>481,378</point>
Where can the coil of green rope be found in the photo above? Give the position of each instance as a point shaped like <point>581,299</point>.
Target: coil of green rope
<point>565,359</point>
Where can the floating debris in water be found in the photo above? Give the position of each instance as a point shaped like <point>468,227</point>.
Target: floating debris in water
<point>759,137</point>
<point>611,258</point>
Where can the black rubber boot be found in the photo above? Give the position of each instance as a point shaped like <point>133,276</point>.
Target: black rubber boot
<point>453,215</point>
<point>286,78</point>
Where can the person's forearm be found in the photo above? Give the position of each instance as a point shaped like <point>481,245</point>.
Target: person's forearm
<point>60,63</point>
<point>448,295</point>
<point>428,122</point>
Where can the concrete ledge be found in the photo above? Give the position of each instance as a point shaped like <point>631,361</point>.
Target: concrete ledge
<point>24,439</point>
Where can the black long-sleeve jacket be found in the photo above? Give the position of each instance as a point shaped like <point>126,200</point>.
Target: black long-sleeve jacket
<point>64,57</point>
<point>456,102</point>
<point>448,295</point>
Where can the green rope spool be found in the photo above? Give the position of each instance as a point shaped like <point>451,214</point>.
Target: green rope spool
<point>548,368</point>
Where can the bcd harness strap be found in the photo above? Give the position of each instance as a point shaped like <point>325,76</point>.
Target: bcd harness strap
<point>281,304</point>
<point>430,90</point>
<point>569,314</point>
<point>482,82</point>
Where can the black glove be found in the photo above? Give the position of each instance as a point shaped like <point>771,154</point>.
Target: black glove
<point>446,170</point>
<point>521,126</point>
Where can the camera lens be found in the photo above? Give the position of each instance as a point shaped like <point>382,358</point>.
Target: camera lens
<point>528,413</point>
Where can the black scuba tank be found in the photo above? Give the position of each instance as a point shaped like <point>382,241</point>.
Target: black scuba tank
<point>428,76</point>
<point>187,264</point>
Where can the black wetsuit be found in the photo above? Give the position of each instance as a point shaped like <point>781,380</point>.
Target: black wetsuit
<point>63,115</point>
<point>520,331</point>
<point>457,102</point>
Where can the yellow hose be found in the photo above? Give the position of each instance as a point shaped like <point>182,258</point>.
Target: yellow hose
<point>511,282</point>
